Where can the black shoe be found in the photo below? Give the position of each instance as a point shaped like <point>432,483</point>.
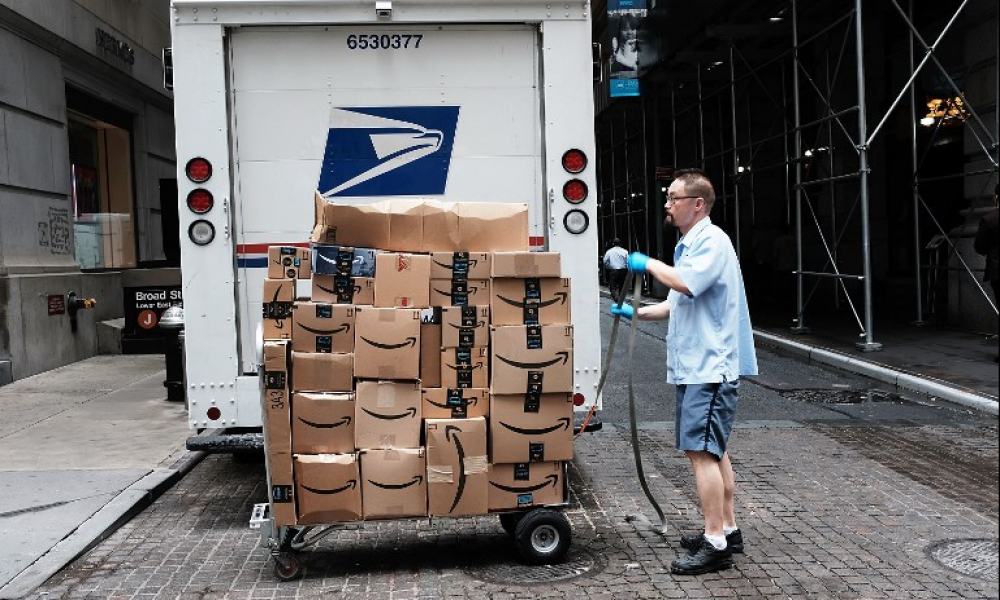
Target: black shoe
<point>734,542</point>
<point>705,560</point>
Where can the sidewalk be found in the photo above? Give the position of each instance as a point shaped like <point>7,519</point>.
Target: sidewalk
<point>84,447</point>
<point>950,364</point>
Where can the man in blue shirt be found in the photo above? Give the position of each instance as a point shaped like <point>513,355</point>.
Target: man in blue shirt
<point>709,347</point>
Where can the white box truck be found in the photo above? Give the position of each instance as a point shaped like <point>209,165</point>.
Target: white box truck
<point>455,100</point>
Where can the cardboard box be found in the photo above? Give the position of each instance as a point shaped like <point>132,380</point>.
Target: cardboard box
<point>465,367</point>
<point>322,423</point>
<point>530,428</point>
<point>394,483</point>
<point>448,292</point>
<point>406,225</point>
<point>289,261</point>
<point>465,326</point>
<point>279,297</point>
<point>402,280</point>
<point>387,414</point>
<point>322,372</point>
<point>343,289</point>
<point>530,301</point>
<point>492,226</point>
<point>281,488</point>
<point>430,347</point>
<point>361,225</point>
<point>461,265</point>
<point>276,409</point>
<point>526,264</point>
<point>440,227</point>
<point>455,403</point>
<point>387,343</point>
<point>522,485</point>
<point>328,488</point>
<point>322,327</point>
<point>330,259</point>
<point>531,358</point>
<point>457,468</point>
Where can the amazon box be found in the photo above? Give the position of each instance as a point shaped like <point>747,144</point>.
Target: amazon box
<point>322,327</point>
<point>465,367</point>
<point>322,372</point>
<point>402,280</point>
<point>330,259</point>
<point>523,485</point>
<point>328,488</point>
<point>530,301</point>
<point>289,261</point>
<point>455,403</point>
<point>343,289</point>
<point>277,409</point>
<point>465,326</point>
<point>364,225</point>
<point>531,358</point>
<point>322,423</point>
<point>457,468</point>
<point>460,265</point>
<point>440,227</point>
<point>471,292</point>
<point>406,225</point>
<point>492,226</point>
<point>281,487</point>
<point>394,483</point>
<point>526,264</point>
<point>279,297</point>
<point>430,347</point>
<point>387,343</point>
<point>531,428</point>
<point>387,414</point>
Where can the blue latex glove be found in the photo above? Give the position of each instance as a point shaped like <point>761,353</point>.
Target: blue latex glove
<point>625,310</point>
<point>637,262</point>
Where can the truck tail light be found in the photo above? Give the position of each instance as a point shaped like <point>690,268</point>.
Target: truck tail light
<point>201,232</point>
<point>198,169</point>
<point>574,161</point>
<point>213,413</point>
<point>575,191</point>
<point>576,221</point>
<point>579,399</point>
<point>200,201</point>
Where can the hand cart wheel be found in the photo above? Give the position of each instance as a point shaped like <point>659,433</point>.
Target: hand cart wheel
<point>543,536</point>
<point>287,566</point>
<point>509,521</point>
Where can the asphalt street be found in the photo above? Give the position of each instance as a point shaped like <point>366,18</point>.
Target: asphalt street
<point>844,490</point>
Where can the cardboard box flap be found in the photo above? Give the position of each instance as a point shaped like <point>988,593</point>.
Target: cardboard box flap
<point>365,225</point>
<point>493,226</point>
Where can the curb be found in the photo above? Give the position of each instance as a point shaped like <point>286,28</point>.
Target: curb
<point>99,526</point>
<point>898,378</point>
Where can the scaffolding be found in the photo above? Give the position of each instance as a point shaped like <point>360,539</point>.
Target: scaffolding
<point>839,133</point>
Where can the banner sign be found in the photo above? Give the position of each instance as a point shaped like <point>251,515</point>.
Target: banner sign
<point>624,17</point>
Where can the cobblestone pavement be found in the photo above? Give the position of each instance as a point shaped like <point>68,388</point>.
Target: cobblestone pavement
<point>829,510</point>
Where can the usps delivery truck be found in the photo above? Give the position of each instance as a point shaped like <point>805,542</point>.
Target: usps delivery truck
<point>454,100</point>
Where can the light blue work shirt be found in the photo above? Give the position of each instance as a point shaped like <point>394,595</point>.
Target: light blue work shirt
<point>709,338</point>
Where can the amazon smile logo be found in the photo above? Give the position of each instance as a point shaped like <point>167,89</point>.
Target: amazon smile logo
<point>357,288</point>
<point>472,265</point>
<point>344,328</point>
<point>409,413</point>
<point>478,324</point>
<point>397,486</point>
<point>460,450</point>
<point>560,356</point>
<point>465,402</point>
<point>350,485</point>
<point>472,289</point>
<point>549,480</point>
<point>344,421</point>
<point>410,341</point>
<point>560,297</point>
<point>563,423</point>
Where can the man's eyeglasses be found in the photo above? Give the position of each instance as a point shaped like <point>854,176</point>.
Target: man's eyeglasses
<point>674,199</point>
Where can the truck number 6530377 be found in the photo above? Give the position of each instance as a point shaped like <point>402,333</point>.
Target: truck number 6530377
<point>385,41</point>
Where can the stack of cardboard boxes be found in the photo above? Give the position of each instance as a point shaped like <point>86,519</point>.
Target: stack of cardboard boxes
<point>429,373</point>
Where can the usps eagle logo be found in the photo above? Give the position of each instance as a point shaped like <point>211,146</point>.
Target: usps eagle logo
<point>388,151</point>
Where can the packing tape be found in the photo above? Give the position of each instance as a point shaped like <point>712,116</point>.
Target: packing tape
<point>386,315</point>
<point>391,454</point>
<point>476,464</point>
<point>524,264</point>
<point>386,397</point>
<point>440,474</point>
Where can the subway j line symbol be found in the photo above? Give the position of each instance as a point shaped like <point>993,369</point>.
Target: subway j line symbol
<point>147,319</point>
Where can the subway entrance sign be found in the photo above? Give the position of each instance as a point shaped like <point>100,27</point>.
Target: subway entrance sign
<point>143,308</point>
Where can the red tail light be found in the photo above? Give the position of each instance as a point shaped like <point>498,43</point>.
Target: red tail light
<point>579,399</point>
<point>198,170</point>
<point>200,201</point>
<point>575,191</point>
<point>213,413</point>
<point>574,161</point>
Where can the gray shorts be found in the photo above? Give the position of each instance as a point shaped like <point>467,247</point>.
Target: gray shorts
<point>704,416</point>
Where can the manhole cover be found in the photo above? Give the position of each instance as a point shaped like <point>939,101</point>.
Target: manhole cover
<point>976,558</point>
<point>578,563</point>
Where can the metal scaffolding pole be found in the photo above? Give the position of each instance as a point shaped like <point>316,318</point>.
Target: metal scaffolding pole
<point>869,344</point>
<point>800,325</point>
<point>701,120</point>
<point>832,188</point>
<point>673,128</point>
<point>917,248</point>
<point>736,155</point>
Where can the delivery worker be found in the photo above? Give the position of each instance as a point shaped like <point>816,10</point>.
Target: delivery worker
<point>709,347</point>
